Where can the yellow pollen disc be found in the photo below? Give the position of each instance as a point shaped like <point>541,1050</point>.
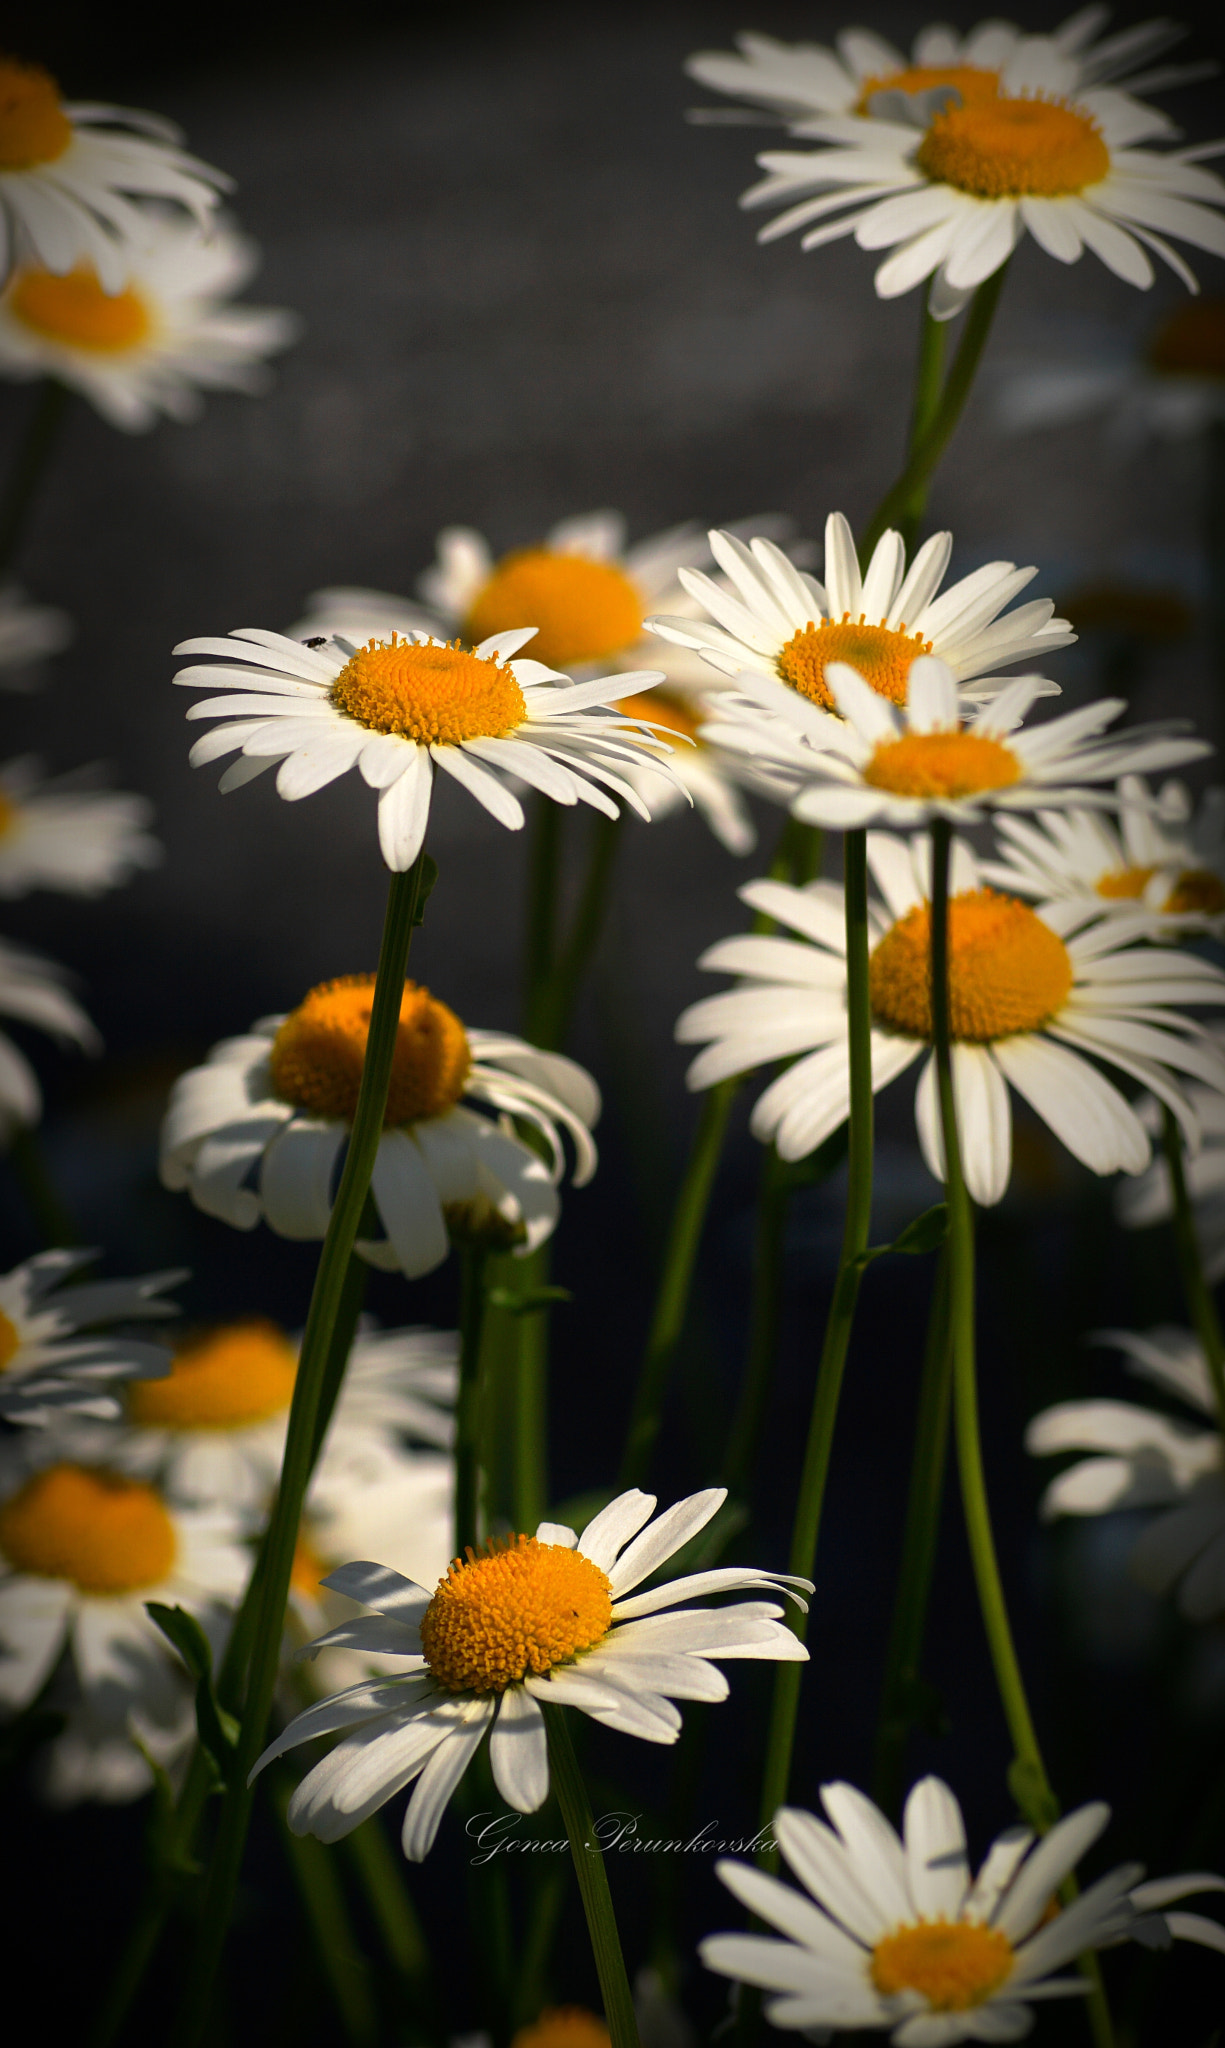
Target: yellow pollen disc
<point>308,1568</point>
<point>510,1610</point>
<point>318,1053</point>
<point>563,2026</point>
<point>10,1341</point>
<point>1196,889</point>
<point>34,129</point>
<point>881,655</point>
<point>106,1534</point>
<point>583,610</point>
<point>941,764</point>
<point>1191,342</point>
<point>1007,970</point>
<point>973,83</point>
<point>1007,148</point>
<point>9,814</point>
<point>954,1965</point>
<point>75,310</point>
<point>226,1379</point>
<point>431,694</point>
<point>1123,885</point>
<point>661,709</point>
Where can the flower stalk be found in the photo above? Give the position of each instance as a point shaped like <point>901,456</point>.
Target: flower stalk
<point>592,1877</point>
<point>469,1406</point>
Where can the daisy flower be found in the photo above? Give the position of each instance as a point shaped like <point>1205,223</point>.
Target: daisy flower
<point>28,633</point>
<point>1170,388</point>
<point>68,175</point>
<point>100,1757</point>
<point>712,778</point>
<point>952,192</point>
<point>1148,1200</point>
<point>1143,1458</point>
<point>259,1130</point>
<point>1037,1000</point>
<point>1159,859</point>
<point>903,766</point>
<point>551,1617</point>
<point>57,1355</point>
<point>152,342</point>
<point>895,1932</point>
<point>34,991</point>
<point>781,625</point>
<point>399,709</point>
<point>66,835</point>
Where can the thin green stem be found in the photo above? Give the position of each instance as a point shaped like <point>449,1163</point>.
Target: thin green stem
<point>530,1402</point>
<point>469,1406</point>
<point>929,372</point>
<point>765,1307</point>
<point>592,1881</point>
<point>349,1308</point>
<point>164,1885</point>
<point>33,454</point>
<point>574,956</point>
<point>402,902</point>
<point>1200,1304</point>
<point>541,935</point>
<point>344,1968</point>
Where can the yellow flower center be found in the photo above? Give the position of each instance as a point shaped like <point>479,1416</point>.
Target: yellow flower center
<point>431,694</point>
<point>106,1534</point>
<point>514,1608</point>
<point>563,2026</point>
<point>34,129</point>
<point>583,610</point>
<point>75,310</point>
<point>881,655</point>
<point>1007,970</point>
<point>1191,342</point>
<point>941,764</point>
<point>954,1965</point>
<point>1196,889</point>
<point>318,1053</point>
<point>1006,148</point>
<point>973,83</point>
<point>226,1379</point>
<point>1124,885</point>
<point>661,709</point>
<point>10,1341</point>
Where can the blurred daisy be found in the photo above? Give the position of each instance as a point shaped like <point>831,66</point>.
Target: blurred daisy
<point>33,991</point>
<point>275,1109</point>
<point>951,193</point>
<point>28,633</point>
<point>66,835</point>
<point>895,1932</point>
<point>780,624</point>
<point>1160,858</point>
<point>1143,1458</point>
<point>68,175</point>
<point>152,342</point>
<point>107,1757</point>
<point>1037,999</point>
<point>1146,1201</point>
<point>57,1355</point>
<point>1168,389</point>
<point>714,780</point>
<point>551,1617</point>
<point>904,766</point>
<point>399,709</point>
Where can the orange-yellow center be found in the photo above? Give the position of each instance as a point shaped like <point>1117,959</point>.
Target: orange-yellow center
<point>1191,342</point>
<point>583,610</point>
<point>75,310</point>
<point>563,2026</point>
<point>661,709</point>
<point>106,1534</point>
<point>9,815</point>
<point>308,1568</point>
<point>1196,889</point>
<point>1003,149</point>
<point>513,1609</point>
<point>10,1341</point>
<point>430,693</point>
<point>226,1379</point>
<point>955,1965</point>
<point>881,655</point>
<point>34,129</point>
<point>318,1053</point>
<point>941,764</point>
<point>973,83</point>
<point>1007,970</point>
<point>1123,885</point>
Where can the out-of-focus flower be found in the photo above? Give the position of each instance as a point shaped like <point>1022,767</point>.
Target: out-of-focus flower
<point>714,780</point>
<point>33,990</point>
<point>276,1107</point>
<point>28,633</point>
<point>57,1354</point>
<point>68,835</point>
<point>1148,1200</point>
<point>1169,388</point>
<point>109,1756</point>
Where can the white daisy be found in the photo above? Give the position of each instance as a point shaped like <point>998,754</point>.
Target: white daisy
<point>1037,1000</point>
<point>68,835</point>
<point>951,193</point>
<point>399,709</point>
<point>102,1757</point>
<point>779,624</point>
<point>57,1355</point>
<point>714,780</point>
<point>903,766</point>
<point>33,990</point>
<point>151,344</point>
<point>895,1932</point>
<point>68,175</point>
<point>1148,1200</point>
<point>1161,858</point>
<point>274,1109</point>
<point>1171,387</point>
<point>1143,1458</point>
<point>551,1617</point>
<point>28,633</point>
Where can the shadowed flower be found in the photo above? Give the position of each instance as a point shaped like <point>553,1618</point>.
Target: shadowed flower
<point>57,1355</point>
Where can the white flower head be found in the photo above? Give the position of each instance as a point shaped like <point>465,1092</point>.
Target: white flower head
<point>552,1617</point>
<point>108,1756</point>
<point>69,175</point>
<point>1169,387</point>
<point>34,991</point>
<point>28,634</point>
<point>69,834</point>
<point>1040,1001</point>
<point>895,1932</point>
<point>1148,1200</point>
<point>259,1130</point>
<point>59,1352</point>
<point>156,341</point>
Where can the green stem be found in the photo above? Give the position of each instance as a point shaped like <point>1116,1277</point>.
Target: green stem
<point>558,999</point>
<point>332,1943</point>
<point>769,1243</point>
<point>540,937</point>
<point>929,372</point>
<point>1200,1304</point>
<point>33,454</point>
<point>352,1296</point>
<point>221,1884</point>
<point>160,1894</point>
<point>592,1881</point>
<point>530,1364</point>
<point>468,1407</point>
<point>908,496</point>
<point>380,1874</point>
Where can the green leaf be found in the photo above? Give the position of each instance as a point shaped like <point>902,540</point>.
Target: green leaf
<point>425,887</point>
<point>513,1304</point>
<point>218,1731</point>
<point>926,1232</point>
<point>1035,1800</point>
<point>184,1633</point>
